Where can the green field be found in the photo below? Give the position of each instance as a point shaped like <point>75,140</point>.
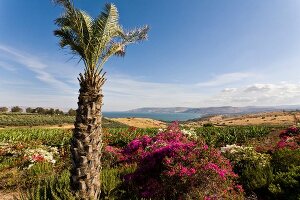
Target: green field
<point>24,119</point>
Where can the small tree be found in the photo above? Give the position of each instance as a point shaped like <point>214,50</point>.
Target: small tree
<point>29,110</point>
<point>58,112</point>
<point>16,109</point>
<point>72,112</point>
<point>3,109</point>
<point>51,111</point>
<point>40,110</point>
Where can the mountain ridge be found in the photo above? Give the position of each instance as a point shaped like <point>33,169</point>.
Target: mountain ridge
<point>224,110</point>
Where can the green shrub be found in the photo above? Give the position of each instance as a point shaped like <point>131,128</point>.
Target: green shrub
<point>208,125</point>
<point>111,181</point>
<point>37,173</point>
<point>54,187</point>
<point>284,159</point>
<point>254,177</point>
<point>253,168</point>
<point>286,169</point>
<point>286,185</point>
<point>58,187</point>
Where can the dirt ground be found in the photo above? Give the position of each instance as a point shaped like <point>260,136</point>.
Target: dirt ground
<point>141,122</point>
<point>64,126</point>
<point>271,118</point>
<point>8,195</point>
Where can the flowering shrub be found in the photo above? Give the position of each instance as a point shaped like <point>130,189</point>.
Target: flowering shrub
<point>289,138</point>
<point>111,156</point>
<point>120,137</point>
<point>253,168</point>
<point>40,155</point>
<point>191,134</point>
<point>172,165</point>
<point>238,154</point>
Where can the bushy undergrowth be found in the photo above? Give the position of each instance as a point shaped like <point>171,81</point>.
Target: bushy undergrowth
<point>172,166</point>
<point>286,184</point>
<point>254,168</point>
<point>52,187</point>
<point>289,138</point>
<point>286,167</point>
<point>271,176</point>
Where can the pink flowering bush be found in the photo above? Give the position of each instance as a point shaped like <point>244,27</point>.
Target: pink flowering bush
<point>172,166</point>
<point>111,156</point>
<point>289,138</point>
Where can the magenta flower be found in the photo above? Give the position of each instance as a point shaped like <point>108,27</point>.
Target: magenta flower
<point>171,156</point>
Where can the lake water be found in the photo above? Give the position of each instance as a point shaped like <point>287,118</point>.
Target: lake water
<point>158,116</point>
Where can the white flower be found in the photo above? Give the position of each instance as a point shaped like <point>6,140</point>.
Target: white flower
<point>189,133</point>
<point>161,130</point>
<point>29,166</point>
<point>46,156</point>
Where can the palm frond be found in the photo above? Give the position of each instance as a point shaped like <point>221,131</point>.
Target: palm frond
<point>117,49</point>
<point>136,35</point>
<point>79,26</point>
<point>94,40</point>
<point>69,39</point>
<point>105,28</point>
<point>67,4</point>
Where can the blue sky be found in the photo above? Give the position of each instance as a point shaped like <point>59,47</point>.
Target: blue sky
<point>200,53</point>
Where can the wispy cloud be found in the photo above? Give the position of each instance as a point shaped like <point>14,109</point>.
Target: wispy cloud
<point>124,92</point>
<point>35,65</point>
<point>23,58</point>
<point>7,66</point>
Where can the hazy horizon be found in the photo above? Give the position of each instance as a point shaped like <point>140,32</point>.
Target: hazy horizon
<point>199,54</point>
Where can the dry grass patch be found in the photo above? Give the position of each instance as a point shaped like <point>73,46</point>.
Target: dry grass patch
<point>140,122</point>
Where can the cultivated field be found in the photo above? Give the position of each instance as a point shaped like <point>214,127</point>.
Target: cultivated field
<point>264,162</point>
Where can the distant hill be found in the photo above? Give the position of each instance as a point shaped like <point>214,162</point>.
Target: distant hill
<point>160,110</point>
<point>223,110</point>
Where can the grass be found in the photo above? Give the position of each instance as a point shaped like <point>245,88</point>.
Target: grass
<point>53,137</point>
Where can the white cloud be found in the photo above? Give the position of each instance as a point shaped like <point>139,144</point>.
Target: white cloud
<point>229,90</point>
<point>262,94</point>
<point>123,93</point>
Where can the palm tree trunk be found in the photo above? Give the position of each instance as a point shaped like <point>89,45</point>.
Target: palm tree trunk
<point>86,142</point>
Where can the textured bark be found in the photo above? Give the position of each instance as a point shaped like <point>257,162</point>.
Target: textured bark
<point>86,142</point>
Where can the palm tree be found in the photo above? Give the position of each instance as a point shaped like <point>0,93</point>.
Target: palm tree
<point>94,41</point>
